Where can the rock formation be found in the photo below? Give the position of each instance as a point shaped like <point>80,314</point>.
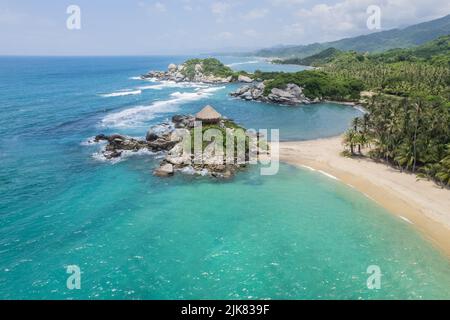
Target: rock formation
<point>169,139</point>
<point>292,94</point>
<point>195,71</point>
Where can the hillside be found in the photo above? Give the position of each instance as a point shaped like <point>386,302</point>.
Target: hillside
<point>376,42</point>
<point>318,59</point>
<point>402,72</point>
<point>435,52</point>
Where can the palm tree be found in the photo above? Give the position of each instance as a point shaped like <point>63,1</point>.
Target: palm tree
<point>350,140</point>
<point>443,169</point>
<point>356,122</point>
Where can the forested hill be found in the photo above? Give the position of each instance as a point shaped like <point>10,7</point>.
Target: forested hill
<point>436,52</point>
<point>318,59</point>
<point>376,42</point>
<point>401,72</point>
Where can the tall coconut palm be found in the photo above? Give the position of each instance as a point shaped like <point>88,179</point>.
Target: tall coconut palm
<point>350,140</point>
<point>443,170</point>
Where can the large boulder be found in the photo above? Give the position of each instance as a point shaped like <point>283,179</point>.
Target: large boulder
<point>165,170</point>
<point>172,67</point>
<point>151,136</point>
<point>178,77</point>
<point>245,79</point>
<point>198,68</point>
<point>181,122</point>
<point>291,95</point>
<point>241,91</point>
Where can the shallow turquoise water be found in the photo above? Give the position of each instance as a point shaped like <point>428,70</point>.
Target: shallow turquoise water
<point>296,235</point>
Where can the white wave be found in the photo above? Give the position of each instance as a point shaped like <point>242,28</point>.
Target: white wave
<point>135,78</point>
<point>173,84</point>
<point>307,167</point>
<point>137,116</point>
<point>241,63</point>
<point>360,108</point>
<point>98,156</point>
<point>406,219</point>
<point>90,142</point>
<point>122,93</point>
<point>328,175</point>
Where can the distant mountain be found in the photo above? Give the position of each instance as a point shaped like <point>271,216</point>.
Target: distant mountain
<point>375,42</point>
<point>435,52</point>
<point>317,59</point>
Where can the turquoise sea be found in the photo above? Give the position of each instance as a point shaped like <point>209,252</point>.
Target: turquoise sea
<point>295,235</point>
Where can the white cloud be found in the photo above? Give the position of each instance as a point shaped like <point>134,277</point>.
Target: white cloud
<point>293,30</point>
<point>349,17</point>
<point>154,7</point>
<point>220,8</point>
<point>256,14</point>
<point>251,33</point>
<point>160,7</point>
<point>286,2</point>
<point>187,5</point>
<point>225,35</point>
<point>8,17</point>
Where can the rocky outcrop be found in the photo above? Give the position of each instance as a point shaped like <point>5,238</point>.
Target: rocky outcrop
<point>245,79</point>
<point>179,73</point>
<point>292,94</point>
<point>168,138</point>
<point>165,170</point>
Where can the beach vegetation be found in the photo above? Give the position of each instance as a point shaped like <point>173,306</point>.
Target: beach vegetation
<point>410,133</point>
<point>317,84</point>
<point>209,67</point>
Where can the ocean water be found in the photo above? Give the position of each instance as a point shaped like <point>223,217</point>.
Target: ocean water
<point>295,235</point>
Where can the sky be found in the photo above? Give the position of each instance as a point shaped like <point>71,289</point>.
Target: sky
<point>147,27</point>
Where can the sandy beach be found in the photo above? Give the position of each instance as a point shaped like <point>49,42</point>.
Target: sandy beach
<point>419,202</point>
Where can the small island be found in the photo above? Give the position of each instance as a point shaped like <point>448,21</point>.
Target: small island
<point>209,70</point>
<point>177,141</point>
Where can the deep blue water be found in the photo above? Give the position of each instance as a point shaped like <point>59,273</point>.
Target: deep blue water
<point>296,235</point>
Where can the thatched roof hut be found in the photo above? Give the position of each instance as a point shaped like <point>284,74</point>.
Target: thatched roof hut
<point>208,115</point>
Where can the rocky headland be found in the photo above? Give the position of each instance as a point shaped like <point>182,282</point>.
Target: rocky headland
<point>210,71</point>
<point>291,94</point>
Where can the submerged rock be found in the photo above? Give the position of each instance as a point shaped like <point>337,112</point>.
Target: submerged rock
<point>165,170</point>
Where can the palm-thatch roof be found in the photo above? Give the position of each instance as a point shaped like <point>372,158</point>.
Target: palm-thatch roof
<point>208,114</point>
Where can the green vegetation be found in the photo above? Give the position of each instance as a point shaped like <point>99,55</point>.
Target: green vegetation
<point>408,124</point>
<point>222,128</point>
<point>411,133</point>
<point>318,84</point>
<point>315,60</point>
<point>210,67</point>
<point>424,70</point>
<point>375,42</point>
<point>436,52</point>
<point>401,72</point>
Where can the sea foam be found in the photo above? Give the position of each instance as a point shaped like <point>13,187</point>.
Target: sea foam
<point>242,63</point>
<point>172,84</point>
<point>122,93</point>
<point>99,156</point>
<point>137,116</point>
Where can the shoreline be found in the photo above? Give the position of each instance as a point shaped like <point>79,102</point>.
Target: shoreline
<point>420,203</point>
